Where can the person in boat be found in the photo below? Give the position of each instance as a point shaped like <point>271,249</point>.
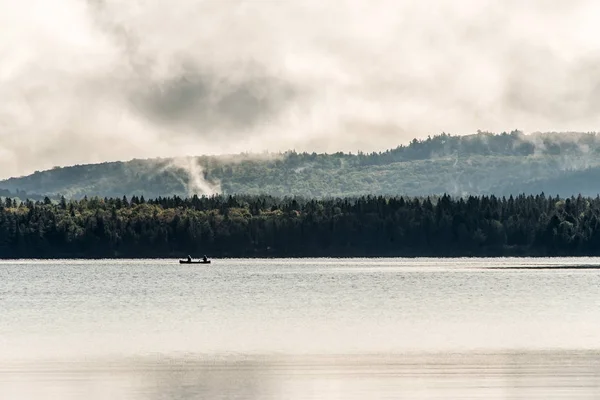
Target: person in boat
<point>205,259</point>
<point>189,259</point>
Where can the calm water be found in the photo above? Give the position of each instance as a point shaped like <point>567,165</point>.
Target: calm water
<point>300,329</point>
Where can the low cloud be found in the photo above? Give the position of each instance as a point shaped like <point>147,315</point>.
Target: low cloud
<point>195,180</point>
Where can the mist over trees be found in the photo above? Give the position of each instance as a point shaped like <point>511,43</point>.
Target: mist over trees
<point>265,226</point>
<point>480,164</point>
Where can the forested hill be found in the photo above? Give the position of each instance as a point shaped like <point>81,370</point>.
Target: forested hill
<point>263,226</point>
<point>483,163</point>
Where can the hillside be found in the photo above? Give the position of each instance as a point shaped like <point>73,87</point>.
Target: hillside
<point>484,163</point>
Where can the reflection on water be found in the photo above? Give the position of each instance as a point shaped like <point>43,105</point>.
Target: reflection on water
<point>300,329</point>
<point>549,375</point>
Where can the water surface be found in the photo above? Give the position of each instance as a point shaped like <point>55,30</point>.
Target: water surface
<point>327,328</point>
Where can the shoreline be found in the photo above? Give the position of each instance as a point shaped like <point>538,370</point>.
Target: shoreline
<point>317,257</point>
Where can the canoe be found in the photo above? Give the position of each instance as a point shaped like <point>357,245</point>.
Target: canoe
<point>193,262</point>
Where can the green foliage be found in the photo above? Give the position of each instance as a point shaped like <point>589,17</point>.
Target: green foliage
<point>265,226</point>
<point>484,163</point>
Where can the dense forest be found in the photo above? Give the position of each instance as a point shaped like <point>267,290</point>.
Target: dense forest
<point>265,226</point>
<point>478,164</point>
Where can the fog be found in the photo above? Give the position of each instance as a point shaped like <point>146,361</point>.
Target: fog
<point>97,80</point>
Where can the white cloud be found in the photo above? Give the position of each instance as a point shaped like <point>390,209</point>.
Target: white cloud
<point>106,79</point>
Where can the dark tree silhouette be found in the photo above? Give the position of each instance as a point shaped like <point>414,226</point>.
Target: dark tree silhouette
<point>265,226</point>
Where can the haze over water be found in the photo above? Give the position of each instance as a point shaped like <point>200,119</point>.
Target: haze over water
<point>327,328</point>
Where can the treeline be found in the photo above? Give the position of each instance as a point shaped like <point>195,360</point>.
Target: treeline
<point>20,194</point>
<point>478,164</point>
<point>263,226</point>
<point>514,143</point>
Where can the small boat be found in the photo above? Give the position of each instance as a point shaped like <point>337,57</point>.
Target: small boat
<point>194,262</point>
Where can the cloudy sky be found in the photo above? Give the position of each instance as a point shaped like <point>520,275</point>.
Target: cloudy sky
<point>89,81</point>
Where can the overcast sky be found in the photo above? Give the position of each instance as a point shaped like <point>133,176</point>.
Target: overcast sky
<point>89,81</point>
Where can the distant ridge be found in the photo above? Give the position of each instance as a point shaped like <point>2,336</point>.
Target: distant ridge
<point>483,163</point>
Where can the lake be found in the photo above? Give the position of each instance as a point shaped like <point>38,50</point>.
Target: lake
<point>518,328</point>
